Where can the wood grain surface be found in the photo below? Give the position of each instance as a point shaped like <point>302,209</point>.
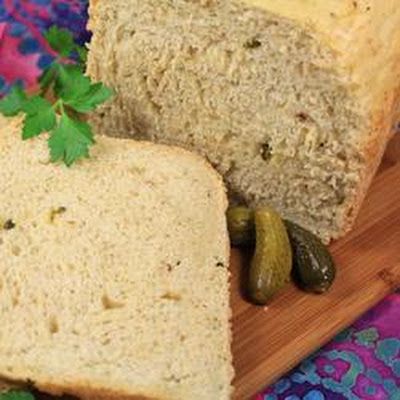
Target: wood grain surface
<point>270,341</point>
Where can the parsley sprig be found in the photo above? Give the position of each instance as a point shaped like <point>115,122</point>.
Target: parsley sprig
<point>73,94</point>
<point>16,395</point>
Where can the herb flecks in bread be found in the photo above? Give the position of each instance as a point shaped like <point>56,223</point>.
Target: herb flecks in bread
<point>292,101</point>
<point>74,94</point>
<point>131,300</point>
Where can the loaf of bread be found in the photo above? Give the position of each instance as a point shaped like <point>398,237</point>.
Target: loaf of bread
<point>114,273</point>
<point>292,101</point>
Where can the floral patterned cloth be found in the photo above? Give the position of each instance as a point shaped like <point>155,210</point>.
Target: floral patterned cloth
<point>363,362</point>
<point>23,51</point>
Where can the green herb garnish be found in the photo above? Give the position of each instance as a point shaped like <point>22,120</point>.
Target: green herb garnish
<point>16,395</point>
<point>73,94</point>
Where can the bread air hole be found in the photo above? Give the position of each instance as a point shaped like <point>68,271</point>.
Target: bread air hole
<point>55,212</point>
<point>15,301</point>
<point>16,295</point>
<point>171,296</point>
<point>304,117</point>
<point>110,304</point>
<point>15,250</point>
<point>172,378</point>
<point>106,341</point>
<point>53,325</point>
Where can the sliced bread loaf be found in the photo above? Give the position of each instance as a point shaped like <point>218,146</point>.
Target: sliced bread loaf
<point>292,101</point>
<point>114,273</point>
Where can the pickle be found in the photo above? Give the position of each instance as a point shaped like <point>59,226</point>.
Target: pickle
<point>272,261</point>
<point>314,268</point>
<point>279,245</point>
<point>241,225</point>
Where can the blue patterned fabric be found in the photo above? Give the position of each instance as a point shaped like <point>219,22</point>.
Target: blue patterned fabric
<point>363,362</point>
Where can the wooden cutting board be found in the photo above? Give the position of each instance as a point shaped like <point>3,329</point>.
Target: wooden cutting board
<point>269,342</point>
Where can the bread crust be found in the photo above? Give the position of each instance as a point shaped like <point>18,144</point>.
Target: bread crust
<point>383,123</point>
<point>79,390</point>
<point>84,392</point>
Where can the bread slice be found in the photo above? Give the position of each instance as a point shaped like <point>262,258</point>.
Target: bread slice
<point>114,273</point>
<point>292,101</point>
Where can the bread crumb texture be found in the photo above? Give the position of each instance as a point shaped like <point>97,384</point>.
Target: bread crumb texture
<point>109,285</point>
<point>270,93</point>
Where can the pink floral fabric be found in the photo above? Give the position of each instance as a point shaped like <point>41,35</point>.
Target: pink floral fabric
<point>23,51</point>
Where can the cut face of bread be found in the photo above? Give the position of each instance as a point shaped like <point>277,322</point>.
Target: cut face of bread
<point>114,273</point>
<point>269,100</point>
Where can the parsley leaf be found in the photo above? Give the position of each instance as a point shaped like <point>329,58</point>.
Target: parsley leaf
<point>35,104</point>
<point>40,117</point>
<point>60,40</point>
<point>12,104</point>
<point>73,93</point>
<point>78,92</point>
<point>71,83</point>
<point>82,53</point>
<point>16,395</point>
<point>48,76</point>
<point>70,141</point>
<point>97,94</point>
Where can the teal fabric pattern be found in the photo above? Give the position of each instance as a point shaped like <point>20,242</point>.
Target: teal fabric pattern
<point>363,362</point>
